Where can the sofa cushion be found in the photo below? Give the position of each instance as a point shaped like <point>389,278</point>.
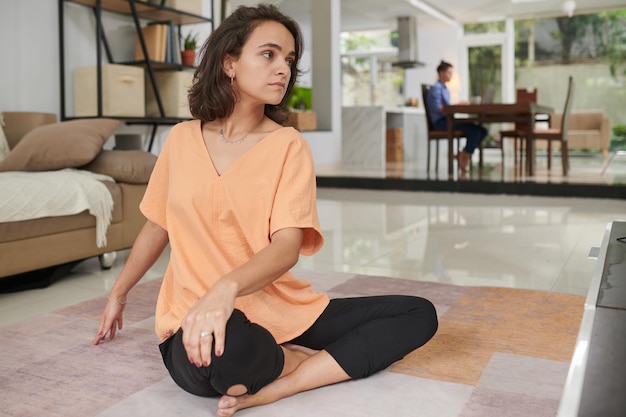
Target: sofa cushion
<point>60,145</point>
<point>131,166</point>
<point>584,139</point>
<point>590,120</point>
<point>4,145</point>
<point>19,123</point>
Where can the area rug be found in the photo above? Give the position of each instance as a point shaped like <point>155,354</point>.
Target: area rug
<point>498,352</point>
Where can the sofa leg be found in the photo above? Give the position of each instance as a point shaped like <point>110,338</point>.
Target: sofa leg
<point>107,260</point>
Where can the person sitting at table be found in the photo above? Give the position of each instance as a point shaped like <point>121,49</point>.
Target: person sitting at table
<point>439,96</point>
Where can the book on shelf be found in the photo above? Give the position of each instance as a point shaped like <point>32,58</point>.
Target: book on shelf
<point>155,37</point>
<point>162,42</point>
<point>168,44</point>
<point>174,42</point>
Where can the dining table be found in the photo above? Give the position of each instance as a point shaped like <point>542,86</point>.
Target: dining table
<point>496,113</point>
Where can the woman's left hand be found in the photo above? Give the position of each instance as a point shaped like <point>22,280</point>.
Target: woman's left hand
<point>205,324</point>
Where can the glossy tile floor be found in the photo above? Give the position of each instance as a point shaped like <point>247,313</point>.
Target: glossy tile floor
<point>464,239</point>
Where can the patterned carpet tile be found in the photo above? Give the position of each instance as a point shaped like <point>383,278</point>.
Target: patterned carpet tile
<point>141,304</point>
<point>486,320</point>
<point>441,295</point>
<point>490,403</point>
<point>541,378</point>
<point>59,372</point>
<point>39,339</point>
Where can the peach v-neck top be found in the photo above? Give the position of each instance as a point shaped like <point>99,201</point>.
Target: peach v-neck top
<point>217,222</point>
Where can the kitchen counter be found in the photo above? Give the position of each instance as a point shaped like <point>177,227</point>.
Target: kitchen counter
<point>364,132</point>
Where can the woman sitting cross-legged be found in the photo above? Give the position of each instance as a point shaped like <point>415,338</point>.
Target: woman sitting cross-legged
<point>233,193</point>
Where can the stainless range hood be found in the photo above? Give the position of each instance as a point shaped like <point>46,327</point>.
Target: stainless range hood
<point>407,43</point>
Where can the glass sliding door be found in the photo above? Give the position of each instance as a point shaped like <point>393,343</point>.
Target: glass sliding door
<point>487,57</point>
<point>485,73</point>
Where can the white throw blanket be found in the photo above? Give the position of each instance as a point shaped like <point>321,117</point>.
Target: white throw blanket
<point>33,195</point>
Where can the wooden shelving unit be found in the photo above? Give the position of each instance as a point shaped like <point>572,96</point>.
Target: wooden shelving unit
<point>139,12</point>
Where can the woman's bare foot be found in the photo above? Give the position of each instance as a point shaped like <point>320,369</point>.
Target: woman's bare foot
<point>227,405</point>
<point>314,371</point>
<point>236,399</point>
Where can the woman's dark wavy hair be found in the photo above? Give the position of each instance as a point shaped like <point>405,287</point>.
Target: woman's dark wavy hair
<point>211,96</point>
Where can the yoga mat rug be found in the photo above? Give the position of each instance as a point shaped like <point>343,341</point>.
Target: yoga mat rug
<point>498,352</point>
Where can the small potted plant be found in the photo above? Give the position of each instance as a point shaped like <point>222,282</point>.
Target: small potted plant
<point>188,54</point>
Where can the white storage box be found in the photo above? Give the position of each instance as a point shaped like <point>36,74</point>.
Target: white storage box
<point>173,88</point>
<point>189,6</point>
<point>123,91</point>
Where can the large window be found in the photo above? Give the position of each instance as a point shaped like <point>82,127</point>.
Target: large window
<point>368,76</point>
<point>591,48</point>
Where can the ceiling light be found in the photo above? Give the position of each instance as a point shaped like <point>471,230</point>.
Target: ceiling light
<point>568,7</point>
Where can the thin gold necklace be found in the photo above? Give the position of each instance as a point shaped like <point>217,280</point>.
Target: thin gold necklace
<point>241,139</point>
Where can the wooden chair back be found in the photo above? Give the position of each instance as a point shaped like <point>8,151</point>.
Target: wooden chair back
<point>429,122</point>
<point>523,95</point>
<point>568,108</point>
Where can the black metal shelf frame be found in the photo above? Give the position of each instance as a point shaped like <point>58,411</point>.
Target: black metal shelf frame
<point>137,10</point>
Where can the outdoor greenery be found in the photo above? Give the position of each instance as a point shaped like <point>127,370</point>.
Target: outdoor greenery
<point>614,40</point>
<point>484,61</point>
<point>485,64</point>
<point>594,37</point>
<point>372,48</point>
<point>618,141</point>
<point>358,41</point>
<point>487,27</point>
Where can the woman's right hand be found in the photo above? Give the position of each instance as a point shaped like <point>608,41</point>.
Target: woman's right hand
<point>204,326</point>
<point>111,320</point>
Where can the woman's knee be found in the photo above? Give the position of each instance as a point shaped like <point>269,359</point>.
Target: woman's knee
<point>432,315</point>
<point>251,358</point>
<point>425,315</point>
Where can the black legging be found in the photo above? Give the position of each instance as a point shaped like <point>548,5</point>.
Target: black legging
<point>363,334</point>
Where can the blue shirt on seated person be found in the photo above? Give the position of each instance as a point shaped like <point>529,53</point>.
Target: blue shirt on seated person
<point>438,96</point>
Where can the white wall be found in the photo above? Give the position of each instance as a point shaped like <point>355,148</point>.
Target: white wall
<point>29,72</point>
<point>435,42</point>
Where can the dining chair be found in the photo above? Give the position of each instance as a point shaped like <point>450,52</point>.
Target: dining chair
<point>552,134</point>
<point>522,95</point>
<point>435,135</point>
<point>558,134</point>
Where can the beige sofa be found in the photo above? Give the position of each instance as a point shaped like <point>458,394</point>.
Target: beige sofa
<point>586,130</point>
<point>31,245</point>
